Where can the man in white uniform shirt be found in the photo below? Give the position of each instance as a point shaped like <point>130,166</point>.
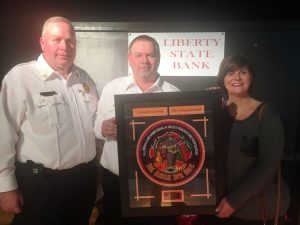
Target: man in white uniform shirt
<point>144,58</point>
<point>47,145</point>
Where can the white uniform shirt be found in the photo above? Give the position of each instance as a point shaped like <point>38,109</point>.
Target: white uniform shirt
<point>106,110</point>
<point>45,118</point>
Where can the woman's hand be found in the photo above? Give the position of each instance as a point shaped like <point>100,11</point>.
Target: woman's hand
<point>224,210</point>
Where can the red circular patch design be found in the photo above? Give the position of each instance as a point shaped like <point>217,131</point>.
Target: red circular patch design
<point>170,152</point>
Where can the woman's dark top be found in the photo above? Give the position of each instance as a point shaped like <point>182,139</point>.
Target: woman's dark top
<point>255,147</point>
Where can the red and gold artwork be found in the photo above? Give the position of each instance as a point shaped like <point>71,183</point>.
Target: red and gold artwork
<point>168,153</point>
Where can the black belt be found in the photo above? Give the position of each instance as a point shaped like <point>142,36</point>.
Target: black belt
<point>39,169</point>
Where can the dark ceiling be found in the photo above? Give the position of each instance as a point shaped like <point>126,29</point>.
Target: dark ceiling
<point>156,10</point>
<point>21,21</point>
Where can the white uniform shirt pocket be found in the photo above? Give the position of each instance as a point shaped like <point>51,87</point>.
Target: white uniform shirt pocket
<point>89,103</point>
<point>49,110</point>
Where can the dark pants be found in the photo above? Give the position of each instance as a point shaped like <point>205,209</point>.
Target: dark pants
<point>112,206</point>
<point>56,197</point>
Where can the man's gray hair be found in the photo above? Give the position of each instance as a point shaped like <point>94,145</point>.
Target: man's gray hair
<point>56,19</point>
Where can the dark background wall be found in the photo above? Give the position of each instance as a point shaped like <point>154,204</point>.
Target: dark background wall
<point>268,32</point>
<point>21,21</point>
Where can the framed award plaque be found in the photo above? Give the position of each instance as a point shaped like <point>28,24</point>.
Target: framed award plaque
<point>170,152</point>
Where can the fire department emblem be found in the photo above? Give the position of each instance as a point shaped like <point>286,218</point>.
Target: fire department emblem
<point>170,152</point>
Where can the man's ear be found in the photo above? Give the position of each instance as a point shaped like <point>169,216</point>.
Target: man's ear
<point>42,43</point>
